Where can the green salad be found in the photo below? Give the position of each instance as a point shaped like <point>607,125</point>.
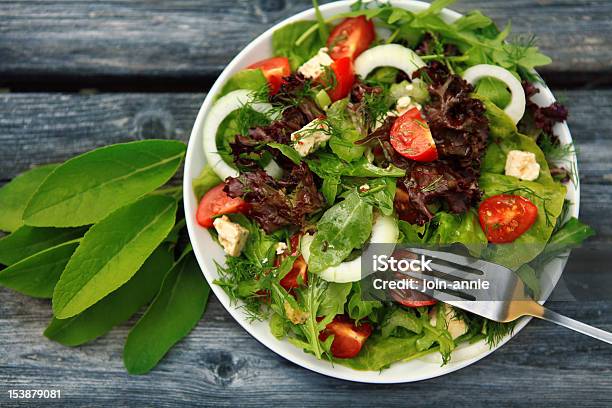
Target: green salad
<point>382,125</point>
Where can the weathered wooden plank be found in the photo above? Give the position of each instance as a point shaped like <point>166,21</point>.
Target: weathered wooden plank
<point>187,40</point>
<point>220,365</point>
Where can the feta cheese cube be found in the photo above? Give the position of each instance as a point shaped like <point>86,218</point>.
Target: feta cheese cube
<point>310,137</point>
<point>314,67</point>
<point>522,165</point>
<point>404,104</point>
<point>455,326</point>
<point>281,247</point>
<point>232,236</point>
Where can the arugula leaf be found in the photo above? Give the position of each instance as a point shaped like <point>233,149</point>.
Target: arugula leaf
<point>38,274</point>
<point>111,253</point>
<point>403,318</point>
<point>175,311</point>
<point>287,151</point>
<point>323,28</point>
<point>381,194</point>
<point>87,188</point>
<point>329,188</point>
<point>334,298</point>
<point>115,308</point>
<point>447,229</point>
<point>205,181</point>
<point>327,164</point>
<point>571,235</point>
<point>259,247</point>
<point>284,42</point>
<point>358,309</point>
<point>311,299</point>
<point>342,228</point>
<point>14,196</point>
<point>472,21</point>
<point>27,241</point>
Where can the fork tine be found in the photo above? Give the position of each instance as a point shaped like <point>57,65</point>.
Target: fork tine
<point>474,263</point>
<point>455,272</point>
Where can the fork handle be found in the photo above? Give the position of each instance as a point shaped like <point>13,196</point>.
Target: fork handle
<point>575,325</point>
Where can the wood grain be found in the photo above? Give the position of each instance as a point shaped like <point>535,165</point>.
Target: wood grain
<point>103,43</point>
<point>219,365</point>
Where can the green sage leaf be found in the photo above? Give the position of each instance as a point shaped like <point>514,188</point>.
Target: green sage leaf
<point>27,241</point>
<point>15,195</point>
<point>87,188</point>
<point>111,253</point>
<point>176,310</point>
<point>115,308</point>
<point>37,275</point>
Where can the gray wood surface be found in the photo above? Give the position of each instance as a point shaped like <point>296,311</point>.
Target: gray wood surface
<point>181,45</point>
<point>101,42</point>
<point>220,365</point>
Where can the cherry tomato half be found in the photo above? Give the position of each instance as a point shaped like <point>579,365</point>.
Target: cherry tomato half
<point>412,298</point>
<point>217,202</point>
<point>506,217</point>
<point>274,69</point>
<point>344,78</point>
<point>348,337</point>
<point>351,37</point>
<point>411,137</point>
<point>297,276</point>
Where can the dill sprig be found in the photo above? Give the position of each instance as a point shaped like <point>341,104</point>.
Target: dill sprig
<point>239,279</point>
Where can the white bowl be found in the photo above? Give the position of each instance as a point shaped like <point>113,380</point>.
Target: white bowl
<point>207,251</point>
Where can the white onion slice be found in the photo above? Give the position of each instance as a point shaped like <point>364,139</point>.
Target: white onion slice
<point>384,231</point>
<point>220,110</point>
<point>388,55</point>
<point>516,108</point>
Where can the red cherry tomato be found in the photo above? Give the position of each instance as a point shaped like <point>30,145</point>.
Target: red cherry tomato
<point>412,298</point>
<point>217,202</point>
<point>348,337</point>
<point>344,78</point>
<point>274,69</point>
<point>351,37</point>
<point>506,217</point>
<point>297,276</point>
<point>411,137</point>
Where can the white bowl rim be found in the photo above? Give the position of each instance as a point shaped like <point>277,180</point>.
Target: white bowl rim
<point>193,167</point>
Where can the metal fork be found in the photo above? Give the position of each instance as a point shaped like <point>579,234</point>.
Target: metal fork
<point>504,301</point>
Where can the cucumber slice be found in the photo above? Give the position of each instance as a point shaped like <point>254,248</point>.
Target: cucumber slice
<point>388,55</point>
<point>220,110</point>
<point>516,108</point>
